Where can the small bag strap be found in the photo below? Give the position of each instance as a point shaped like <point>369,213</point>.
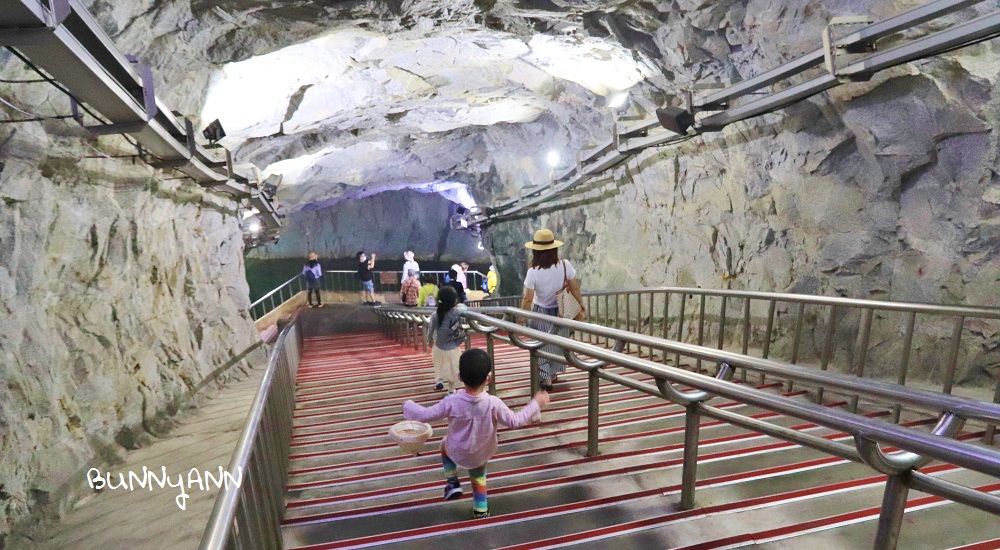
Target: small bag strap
<point>565,274</point>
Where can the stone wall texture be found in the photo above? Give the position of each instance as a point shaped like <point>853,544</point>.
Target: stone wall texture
<point>119,293</point>
<point>388,223</point>
<point>885,190</point>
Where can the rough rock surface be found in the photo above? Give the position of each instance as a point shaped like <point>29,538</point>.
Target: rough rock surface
<point>119,294</point>
<point>388,223</point>
<point>887,189</point>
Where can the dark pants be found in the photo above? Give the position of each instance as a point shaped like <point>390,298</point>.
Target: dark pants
<point>309,295</point>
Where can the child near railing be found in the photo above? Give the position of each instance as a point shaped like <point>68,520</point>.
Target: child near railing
<point>472,415</point>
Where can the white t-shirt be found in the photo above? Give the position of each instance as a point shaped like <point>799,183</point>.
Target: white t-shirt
<point>546,282</point>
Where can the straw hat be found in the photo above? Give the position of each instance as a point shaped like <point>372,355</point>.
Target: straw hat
<point>543,240</point>
<point>408,255</point>
<point>313,256</point>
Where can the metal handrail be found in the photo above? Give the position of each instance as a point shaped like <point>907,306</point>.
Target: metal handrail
<point>279,291</point>
<point>985,312</point>
<point>935,402</point>
<point>914,447</point>
<point>251,513</point>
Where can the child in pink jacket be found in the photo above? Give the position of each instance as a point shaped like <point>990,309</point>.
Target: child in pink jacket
<point>472,416</point>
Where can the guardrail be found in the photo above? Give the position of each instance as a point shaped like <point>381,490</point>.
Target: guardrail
<point>391,281</point>
<point>249,516</point>
<point>860,337</point>
<point>276,297</point>
<point>916,448</point>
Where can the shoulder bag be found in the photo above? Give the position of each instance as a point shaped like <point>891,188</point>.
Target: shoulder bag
<point>569,307</point>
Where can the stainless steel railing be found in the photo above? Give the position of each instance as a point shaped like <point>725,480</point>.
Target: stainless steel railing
<point>915,448</point>
<point>249,516</point>
<point>284,292</point>
<point>346,281</point>
<point>864,338</point>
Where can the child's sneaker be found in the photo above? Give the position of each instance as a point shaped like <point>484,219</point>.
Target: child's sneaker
<point>439,386</point>
<point>452,491</point>
<point>480,515</point>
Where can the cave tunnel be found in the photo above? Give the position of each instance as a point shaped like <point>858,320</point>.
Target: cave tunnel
<point>685,274</point>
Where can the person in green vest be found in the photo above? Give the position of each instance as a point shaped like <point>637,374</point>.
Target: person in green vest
<point>428,292</point>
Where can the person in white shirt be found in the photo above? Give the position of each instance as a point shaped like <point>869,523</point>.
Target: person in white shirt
<point>410,265</point>
<point>460,276</point>
<point>545,278</point>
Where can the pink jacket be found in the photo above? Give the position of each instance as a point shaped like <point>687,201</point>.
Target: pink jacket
<point>472,423</point>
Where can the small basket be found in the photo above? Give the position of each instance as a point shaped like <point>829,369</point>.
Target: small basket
<point>411,435</point>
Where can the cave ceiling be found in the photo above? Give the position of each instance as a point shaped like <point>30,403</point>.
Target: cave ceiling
<point>346,97</point>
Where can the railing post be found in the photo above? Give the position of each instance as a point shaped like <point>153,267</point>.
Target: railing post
<point>956,339</point>
<point>827,348</point>
<point>680,329</point>
<point>533,365</point>
<point>416,335</point>
<point>891,517</point>
<point>493,360</point>
<point>689,474</point>
<point>593,412</point>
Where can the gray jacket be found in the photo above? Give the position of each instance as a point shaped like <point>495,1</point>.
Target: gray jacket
<point>450,334</point>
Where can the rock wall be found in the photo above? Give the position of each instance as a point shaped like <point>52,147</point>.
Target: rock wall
<point>883,190</point>
<point>120,292</point>
<point>388,223</point>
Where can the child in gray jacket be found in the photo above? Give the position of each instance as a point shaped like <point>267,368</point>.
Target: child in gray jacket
<point>446,334</point>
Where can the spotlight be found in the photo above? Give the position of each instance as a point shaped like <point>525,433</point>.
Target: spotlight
<point>214,132</point>
<point>553,159</point>
<point>255,228</point>
<point>271,184</point>
<point>675,119</point>
<point>618,100</point>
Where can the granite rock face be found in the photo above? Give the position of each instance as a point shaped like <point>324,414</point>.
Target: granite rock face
<point>120,293</point>
<point>388,223</point>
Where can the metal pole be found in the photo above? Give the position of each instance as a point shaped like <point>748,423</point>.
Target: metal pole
<point>956,338</point>
<point>904,360</point>
<point>493,360</point>
<point>991,429</point>
<point>689,474</point>
<point>701,329</point>
<point>859,369</point>
<point>827,348</point>
<point>533,365</point>
<point>593,412</point>
<point>652,301</point>
<point>891,517</point>
<point>680,329</point>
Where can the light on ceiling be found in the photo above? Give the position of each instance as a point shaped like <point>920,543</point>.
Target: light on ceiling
<point>618,100</point>
<point>255,228</point>
<point>553,159</point>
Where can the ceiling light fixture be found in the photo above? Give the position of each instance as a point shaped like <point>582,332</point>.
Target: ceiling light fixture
<point>618,100</point>
<point>553,159</point>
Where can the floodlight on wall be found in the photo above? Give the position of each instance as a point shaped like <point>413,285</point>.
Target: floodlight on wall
<point>553,159</point>
<point>255,228</point>
<point>617,101</point>
<point>270,187</point>
<point>214,132</point>
<point>675,119</point>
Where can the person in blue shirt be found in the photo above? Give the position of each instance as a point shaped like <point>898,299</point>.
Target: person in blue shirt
<point>313,274</point>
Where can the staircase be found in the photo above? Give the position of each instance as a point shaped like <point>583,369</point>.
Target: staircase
<point>350,486</point>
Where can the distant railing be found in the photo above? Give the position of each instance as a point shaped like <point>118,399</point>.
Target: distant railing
<point>916,448</point>
<point>276,297</point>
<point>391,281</point>
<point>249,515</point>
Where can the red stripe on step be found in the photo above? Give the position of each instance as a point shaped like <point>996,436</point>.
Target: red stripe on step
<point>985,545</point>
<point>516,517</point>
<point>632,526</point>
<point>784,532</point>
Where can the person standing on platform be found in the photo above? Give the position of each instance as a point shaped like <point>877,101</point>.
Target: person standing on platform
<point>428,292</point>
<point>313,274</point>
<point>410,265</point>
<point>410,293</point>
<point>365,266</point>
<point>454,283</point>
<point>446,335</point>
<point>459,275</point>
<point>492,280</point>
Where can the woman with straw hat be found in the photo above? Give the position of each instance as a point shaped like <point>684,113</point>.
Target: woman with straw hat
<point>546,277</point>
